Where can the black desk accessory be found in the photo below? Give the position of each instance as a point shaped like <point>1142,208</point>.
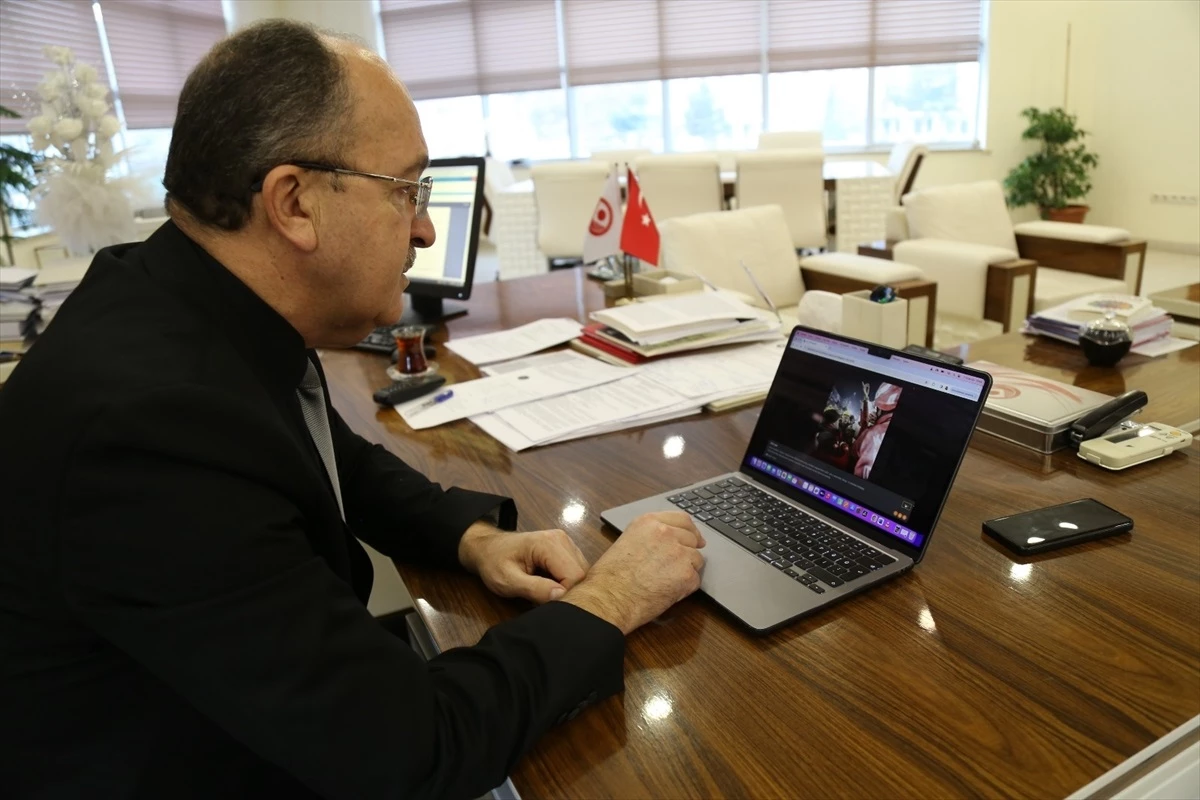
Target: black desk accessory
<point>1105,341</point>
<point>401,391</point>
<point>1099,420</point>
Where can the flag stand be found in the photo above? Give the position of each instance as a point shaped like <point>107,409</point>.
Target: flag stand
<point>627,263</point>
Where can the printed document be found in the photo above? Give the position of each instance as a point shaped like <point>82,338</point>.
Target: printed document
<point>503,345</point>
<point>630,397</point>
<point>491,394</point>
<point>710,376</point>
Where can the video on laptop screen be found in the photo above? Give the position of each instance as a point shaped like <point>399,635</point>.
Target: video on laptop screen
<point>874,437</point>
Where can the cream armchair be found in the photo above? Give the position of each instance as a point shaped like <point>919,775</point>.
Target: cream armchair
<point>809,290</point>
<point>962,237</point>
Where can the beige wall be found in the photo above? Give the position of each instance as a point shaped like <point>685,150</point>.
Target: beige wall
<point>354,17</point>
<point>1135,84</point>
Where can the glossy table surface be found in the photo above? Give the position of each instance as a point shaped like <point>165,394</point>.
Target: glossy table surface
<point>975,674</point>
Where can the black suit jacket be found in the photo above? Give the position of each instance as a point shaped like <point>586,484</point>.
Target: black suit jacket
<point>181,605</point>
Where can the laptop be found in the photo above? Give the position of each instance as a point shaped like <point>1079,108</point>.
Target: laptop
<point>842,482</point>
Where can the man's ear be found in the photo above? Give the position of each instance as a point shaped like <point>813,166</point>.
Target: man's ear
<point>288,197</point>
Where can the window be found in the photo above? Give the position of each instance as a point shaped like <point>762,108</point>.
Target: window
<point>522,122</point>
<point>618,116</point>
<point>453,126</point>
<point>926,103</point>
<point>722,113</point>
<point>688,75</point>
<point>830,100</point>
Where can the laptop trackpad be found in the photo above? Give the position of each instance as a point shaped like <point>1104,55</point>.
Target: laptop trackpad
<point>753,590</point>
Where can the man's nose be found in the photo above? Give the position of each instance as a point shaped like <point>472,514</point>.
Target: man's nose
<point>422,233</point>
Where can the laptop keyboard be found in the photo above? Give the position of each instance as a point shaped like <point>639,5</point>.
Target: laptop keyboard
<point>806,549</point>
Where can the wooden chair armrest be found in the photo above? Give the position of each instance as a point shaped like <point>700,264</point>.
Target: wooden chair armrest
<point>1111,260</point>
<point>1010,290</point>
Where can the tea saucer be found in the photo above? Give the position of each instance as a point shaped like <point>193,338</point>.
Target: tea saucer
<point>397,375</point>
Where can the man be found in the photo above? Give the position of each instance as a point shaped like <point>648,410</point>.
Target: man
<point>181,592</point>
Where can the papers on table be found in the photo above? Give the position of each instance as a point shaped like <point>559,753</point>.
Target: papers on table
<point>1160,347</point>
<point>492,347</point>
<point>15,278</point>
<point>643,395</point>
<point>706,377</point>
<point>493,393</point>
<point>678,316</point>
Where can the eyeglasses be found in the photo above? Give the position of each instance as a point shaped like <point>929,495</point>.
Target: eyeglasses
<point>418,191</point>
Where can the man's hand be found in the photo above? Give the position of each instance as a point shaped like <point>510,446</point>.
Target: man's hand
<point>514,564</point>
<point>653,565</point>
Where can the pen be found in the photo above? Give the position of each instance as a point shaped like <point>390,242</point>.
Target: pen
<point>760,291</point>
<point>437,398</point>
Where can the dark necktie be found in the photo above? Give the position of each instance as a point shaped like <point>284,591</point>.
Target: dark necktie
<point>312,405</point>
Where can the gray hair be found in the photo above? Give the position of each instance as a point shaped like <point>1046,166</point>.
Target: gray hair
<point>272,93</point>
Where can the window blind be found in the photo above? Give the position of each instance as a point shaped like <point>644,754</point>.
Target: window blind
<point>443,48</point>
<point>702,38</point>
<point>154,45</point>
<point>26,26</point>
<point>833,34</point>
<point>614,41</point>
<point>449,48</point>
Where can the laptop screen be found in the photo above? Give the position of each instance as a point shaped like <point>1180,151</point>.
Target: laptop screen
<point>865,432</point>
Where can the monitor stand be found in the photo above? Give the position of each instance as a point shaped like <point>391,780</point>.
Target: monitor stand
<point>429,311</point>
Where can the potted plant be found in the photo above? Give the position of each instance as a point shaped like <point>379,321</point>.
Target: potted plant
<point>16,177</point>
<point>1058,172</point>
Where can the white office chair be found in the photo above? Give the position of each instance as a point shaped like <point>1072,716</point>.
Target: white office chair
<point>620,157</point>
<point>497,176</point>
<point>791,179</point>
<point>791,140</point>
<point>806,291</point>
<point>566,195</point>
<point>680,185</point>
<point>904,162</point>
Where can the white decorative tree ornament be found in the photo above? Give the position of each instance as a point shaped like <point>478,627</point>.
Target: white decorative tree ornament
<point>76,195</point>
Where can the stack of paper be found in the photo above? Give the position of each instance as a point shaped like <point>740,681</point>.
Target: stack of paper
<point>662,390</point>
<point>1067,320</point>
<point>510,388</point>
<point>675,324</point>
<point>54,282</point>
<point>489,348</point>
<point>16,307</point>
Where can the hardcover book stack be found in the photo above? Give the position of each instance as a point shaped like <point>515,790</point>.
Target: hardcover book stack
<point>635,333</point>
<point>1066,321</point>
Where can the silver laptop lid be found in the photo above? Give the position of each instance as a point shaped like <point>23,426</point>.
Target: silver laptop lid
<point>867,436</point>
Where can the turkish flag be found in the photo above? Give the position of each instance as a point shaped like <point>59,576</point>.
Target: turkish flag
<point>639,234</point>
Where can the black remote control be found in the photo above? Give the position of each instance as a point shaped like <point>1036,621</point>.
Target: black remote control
<point>401,391</point>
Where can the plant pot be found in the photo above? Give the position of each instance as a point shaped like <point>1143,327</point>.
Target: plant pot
<point>1066,214</point>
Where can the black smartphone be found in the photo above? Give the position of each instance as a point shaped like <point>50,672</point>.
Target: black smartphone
<point>1057,526</point>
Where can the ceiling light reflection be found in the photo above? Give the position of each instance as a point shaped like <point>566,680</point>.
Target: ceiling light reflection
<point>573,512</point>
<point>1020,572</point>
<point>656,708</point>
<point>673,446</point>
<point>925,620</point>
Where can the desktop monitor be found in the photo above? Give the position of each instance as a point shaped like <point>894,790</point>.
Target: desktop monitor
<point>447,269</point>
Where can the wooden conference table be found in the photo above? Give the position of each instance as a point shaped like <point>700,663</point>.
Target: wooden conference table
<point>976,674</point>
